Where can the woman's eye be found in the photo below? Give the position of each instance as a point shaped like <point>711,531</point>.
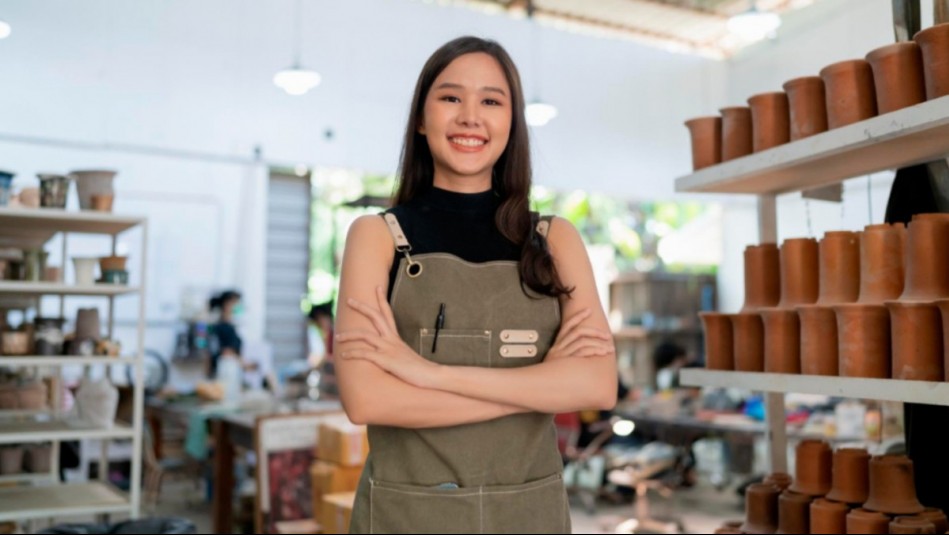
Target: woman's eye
<point>492,102</point>
<point>449,98</point>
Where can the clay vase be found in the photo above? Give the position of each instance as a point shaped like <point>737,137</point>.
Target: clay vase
<point>770,119</point>
<point>918,353</point>
<point>898,76</point>
<point>851,95</point>
<point>761,509</point>
<point>912,525</point>
<point>706,141</point>
<point>782,341</point>
<point>808,106</point>
<point>813,468</point>
<point>927,265</point>
<point>93,182</point>
<point>748,338</point>
<point>800,282</point>
<point>863,521</point>
<point>892,486</point>
<point>828,517</point>
<point>882,255</point>
<point>851,476</point>
<point>934,43</point>
<point>864,343</point>
<point>937,517</point>
<point>762,277</point>
<point>719,347</point>
<point>736,132</point>
<point>944,309</point>
<point>794,513</point>
<point>782,481</point>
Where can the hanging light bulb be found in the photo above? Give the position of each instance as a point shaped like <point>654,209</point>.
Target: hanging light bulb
<point>754,25</point>
<point>540,113</point>
<point>5,29</point>
<point>296,80</point>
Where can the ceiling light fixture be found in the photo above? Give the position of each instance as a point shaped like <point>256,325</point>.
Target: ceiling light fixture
<point>537,112</point>
<point>754,24</point>
<point>296,80</point>
<point>5,29</point>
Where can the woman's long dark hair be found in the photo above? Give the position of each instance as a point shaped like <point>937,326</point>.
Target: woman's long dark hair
<point>511,177</point>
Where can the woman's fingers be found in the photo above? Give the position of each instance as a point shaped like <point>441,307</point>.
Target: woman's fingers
<point>584,344</point>
<point>372,339</point>
<point>376,317</point>
<point>567,326</point>
<point>585,332</point>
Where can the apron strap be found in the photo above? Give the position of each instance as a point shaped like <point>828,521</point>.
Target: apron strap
<point>543,226</point>
<point>401,243</point>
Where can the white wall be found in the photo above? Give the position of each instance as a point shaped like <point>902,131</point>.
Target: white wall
<point>112,83</point>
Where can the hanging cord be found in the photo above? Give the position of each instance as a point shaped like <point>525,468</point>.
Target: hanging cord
<point>297,33</point>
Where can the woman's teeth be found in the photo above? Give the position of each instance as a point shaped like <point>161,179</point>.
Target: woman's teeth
<point>468,142</point>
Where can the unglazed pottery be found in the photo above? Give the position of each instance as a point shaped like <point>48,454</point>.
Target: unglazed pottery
<point>892,486</point>
<point>771,120</point>
<point>736,132</point>
<point>706,135</point>
<point>808,106</point>
<point>851,94</point>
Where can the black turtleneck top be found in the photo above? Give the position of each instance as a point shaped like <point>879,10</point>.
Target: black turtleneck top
<point>460,224</point>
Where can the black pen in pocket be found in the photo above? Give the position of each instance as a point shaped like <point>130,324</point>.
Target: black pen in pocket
<point>439,323</point>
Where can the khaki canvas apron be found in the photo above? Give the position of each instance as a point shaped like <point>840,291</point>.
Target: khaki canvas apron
<point>499,476</point>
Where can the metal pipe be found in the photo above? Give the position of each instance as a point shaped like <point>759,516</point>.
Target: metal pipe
<point>907,19</point>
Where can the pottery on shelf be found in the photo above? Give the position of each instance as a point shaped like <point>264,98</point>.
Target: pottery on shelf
<point>762,277</point>
<point>771,120</point>
<point>88,326</point>
<point>814,460</point>
<point>54,190</point>
<point>898,76</point>
<point>761,509</point>
<point>934,44</point>
<point>38,458</point>
<point>800,279</point>
<point>15,343</point>
<point>112,263</point>
<point>706,135</point>
<point>851,94</point>
<point>748,339</point>
<point>828,516</point>
<point>48,336</point>
<point>819,341</point>
<point>780,480</point>
<point>851,476</point>
<point>93,182</point>
<point>882,261</point>
<point>927,265</point>
<point>911,525</point>
<point>85,270</point>
<point>719,345</point>
<point>864,344</point>
<point>794,513</point>
<point>11,460</point>
<point>737,138</point>
<point>944,310</point>
<point>808,106</point>
<point>937,517</point>
<point>6,187</point>
<point>102,203</point>
<point>29,197</point>
<point>892,486</point>
<point>868,522</point>
<point>918,352</point>
<point>782,341</point>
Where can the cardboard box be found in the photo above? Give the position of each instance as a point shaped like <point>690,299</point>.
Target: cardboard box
<point>330,478</point>
<point>342,442</point>
<point>337,511</point>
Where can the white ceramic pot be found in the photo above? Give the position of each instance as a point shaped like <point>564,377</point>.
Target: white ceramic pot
<point>85,270</point>
<point>97,401</point>
<point>92,182</point>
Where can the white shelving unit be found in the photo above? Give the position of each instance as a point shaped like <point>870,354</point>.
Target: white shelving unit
<point>41,495</point>
<point>906,137</point>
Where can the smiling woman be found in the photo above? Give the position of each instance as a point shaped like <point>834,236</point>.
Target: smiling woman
<point>490,324</point>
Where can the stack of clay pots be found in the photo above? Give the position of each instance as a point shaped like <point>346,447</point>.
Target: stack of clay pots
<point>872,304</point>
<point>890,78</point>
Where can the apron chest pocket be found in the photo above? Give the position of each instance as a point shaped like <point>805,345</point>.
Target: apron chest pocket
<point>456,347</point>
<point>536,507</point>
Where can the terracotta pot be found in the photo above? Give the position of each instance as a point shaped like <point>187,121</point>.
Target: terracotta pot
<point>839,268</point>
<point>782,341</point>
<point>112,263</point>
<point>819,344</point>
<point>912,525</point>
<point>749,342</point>
<point>706,141</point>
<point>944,309</point>
<point>851,95</point>
<point>864,342</point>
<point>927,265</point>
<point>771,120</point>
<point>828,517</point>
<point>892,486</point>
<point>851,476</point>
<point>934,43</point>
<point>794,513</point>
<point>808,105</point>
<point>762,277</point>
<point>813,467</point>
<point>761,509</point>
<point>800,281</point>
<point>93,182</point>
<point>782,481</point>
<point>102,203</point>
<point>898,76</point>
<point>719,347</point>
<point>868,522</point>
<point>918,353</point>
<point>882,253</point>
<point>736,132</point>
<point>937,517</point>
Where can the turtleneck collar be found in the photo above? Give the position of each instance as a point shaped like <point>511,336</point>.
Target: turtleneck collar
<point>485,201</point>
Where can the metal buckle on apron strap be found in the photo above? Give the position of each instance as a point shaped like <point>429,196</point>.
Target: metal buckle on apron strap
<point>412,268</point>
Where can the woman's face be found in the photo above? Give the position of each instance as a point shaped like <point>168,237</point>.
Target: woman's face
<point>467,121</point>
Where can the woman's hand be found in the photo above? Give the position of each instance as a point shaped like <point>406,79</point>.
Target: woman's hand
<point>576,341</point>
<point>387,350</point>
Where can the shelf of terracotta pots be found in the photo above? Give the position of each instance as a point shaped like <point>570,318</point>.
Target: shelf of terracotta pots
<point>22,288</point>
<point>918,133</point>
<point>925,392</point>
